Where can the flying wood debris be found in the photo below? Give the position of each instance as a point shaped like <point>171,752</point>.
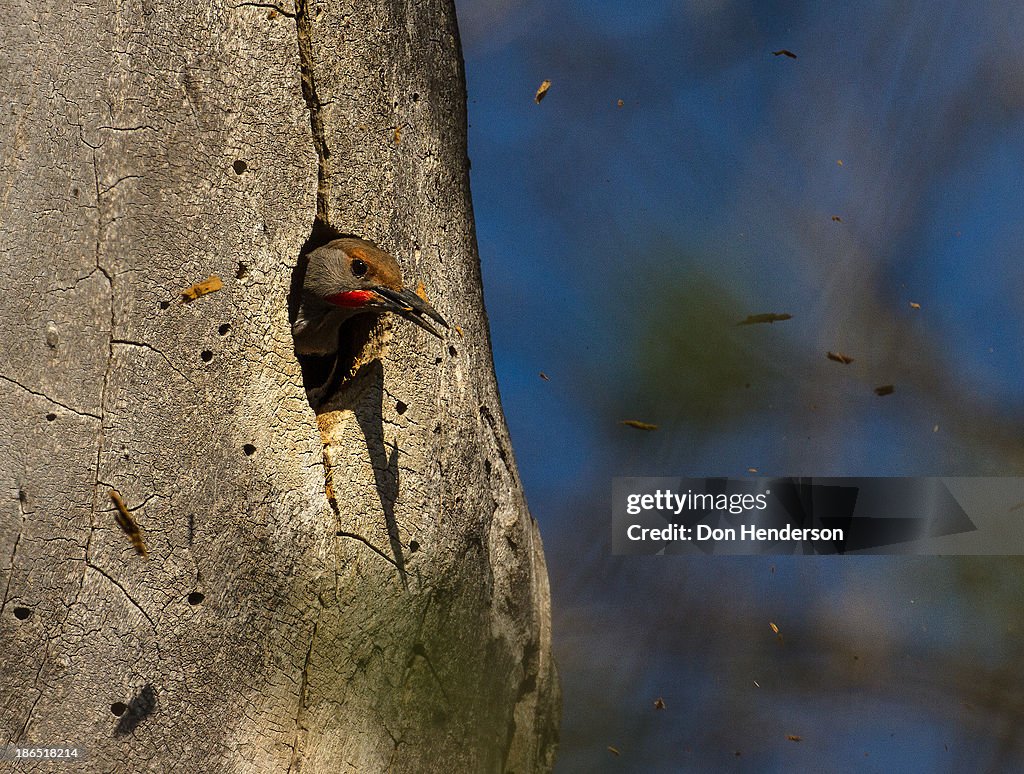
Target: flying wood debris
<point>620,103</point>
<point>837,219</point>
<point>127,523</point>
<point>544,376</point>
<point>613,751</point>
<point>209,285</point>
<point>770,317</point>
<point>659,703</point>
<point>914,305</point>
<point>638,424</point>
<point>885,389</point>
<point>774,627</point>
<point>542,91</point>
<point>784,52</point>
<point>839,357</point>
<point>794,738</point>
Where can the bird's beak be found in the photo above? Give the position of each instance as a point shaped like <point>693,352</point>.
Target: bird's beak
<point>411,307</point>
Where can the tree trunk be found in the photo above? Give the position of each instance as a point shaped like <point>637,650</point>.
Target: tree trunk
<point>358,589</point>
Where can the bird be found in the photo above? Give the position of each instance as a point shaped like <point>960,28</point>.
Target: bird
<point>346,277</point>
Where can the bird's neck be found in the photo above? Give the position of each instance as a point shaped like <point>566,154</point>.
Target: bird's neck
<point>316,326</point>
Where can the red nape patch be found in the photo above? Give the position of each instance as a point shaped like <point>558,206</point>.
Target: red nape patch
<point>351,298</point>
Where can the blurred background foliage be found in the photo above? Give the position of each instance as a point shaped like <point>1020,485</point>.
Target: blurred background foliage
<point>881,168</point>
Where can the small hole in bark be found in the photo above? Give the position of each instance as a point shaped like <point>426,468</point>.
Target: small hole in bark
<point>206,355</point>
<point>415,97</point>
<point>196,598</point>
<point>75,192</point>
<point>118,708</point>
<point>437,430</point>
<point>414,546</point>
<point>487,467</point>
<point>437,361</point>
<point>223,330</point>
<point>241,271</point>
<point>239,167</point>
<point>22,496</point>
<point>401,407</point>
<point>451,351</point>
<point>50,417</point>
<point>165,304</point>
<point>22,613</point>
<point>249,450</point>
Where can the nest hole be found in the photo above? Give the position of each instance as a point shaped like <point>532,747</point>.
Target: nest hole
<point>358,337</point>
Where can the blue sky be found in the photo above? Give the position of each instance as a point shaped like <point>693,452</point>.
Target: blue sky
<point>619,246</point>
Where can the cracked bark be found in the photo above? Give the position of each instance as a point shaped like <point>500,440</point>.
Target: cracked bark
<point>363,589</point>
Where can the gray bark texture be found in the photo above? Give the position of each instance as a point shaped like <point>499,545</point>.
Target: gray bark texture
<point>357,589</point>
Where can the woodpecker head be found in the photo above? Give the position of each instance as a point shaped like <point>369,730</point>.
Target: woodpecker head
<point>345,277</point>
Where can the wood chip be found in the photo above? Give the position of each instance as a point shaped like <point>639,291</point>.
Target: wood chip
<point>914,305</point>
<point>774,627</point>
<point>794,738</point>
<point>421,291</point>
<point>544,376</point>
<point>209,285</point>
<point>126,522</point>
<point>839,357</point>
<point>885,389</point>
<point>784,52</point>
<point>638,424</point>
<point>542,91</point>
<point>768,317</point>
<point>659,703</point>
<point>837,219</point>
<point>614,751</point>
<point>620,103</point>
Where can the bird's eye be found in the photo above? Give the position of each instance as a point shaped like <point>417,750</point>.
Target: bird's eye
<point>359,268</point>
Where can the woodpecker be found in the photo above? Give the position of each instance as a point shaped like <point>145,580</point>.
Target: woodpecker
<point>350,276</point>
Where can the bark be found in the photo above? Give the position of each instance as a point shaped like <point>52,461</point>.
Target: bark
<point>360,589</point>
